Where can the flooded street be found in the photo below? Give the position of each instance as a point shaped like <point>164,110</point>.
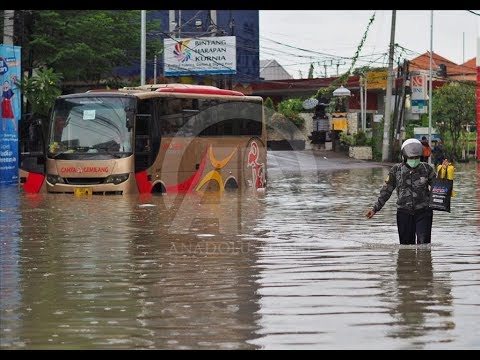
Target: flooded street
<point>297,268</point>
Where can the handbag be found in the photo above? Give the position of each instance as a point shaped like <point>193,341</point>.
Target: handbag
<point>440,194</point>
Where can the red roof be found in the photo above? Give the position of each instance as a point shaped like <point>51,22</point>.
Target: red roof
<point>454,71</point>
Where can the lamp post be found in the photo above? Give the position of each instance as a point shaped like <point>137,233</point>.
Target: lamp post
<point>143,42</point>
<point>339,124</point>
<point>430,84</point>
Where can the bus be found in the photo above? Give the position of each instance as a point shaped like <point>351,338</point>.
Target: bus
<point>148,139</point>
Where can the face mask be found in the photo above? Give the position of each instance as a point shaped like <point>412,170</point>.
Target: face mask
<point>413,163</point>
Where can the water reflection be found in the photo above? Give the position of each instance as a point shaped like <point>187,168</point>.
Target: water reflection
<point>420,302</point>
<point>123,272</point>
<point>11,297</point>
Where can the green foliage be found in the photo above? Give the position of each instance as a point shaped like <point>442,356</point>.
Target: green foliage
<point>293,105</point>
<point>287,119</point>
<point>360,138</point>
<point>86,44</point>
<point>376,141</point>
<point>291,108</point>
<point>41,90</point>
<point>453,107</point>
<point>357,139</point>
<point>424,120</point>
<point>346,140</point>
<point>327,92</point>
<point>268,103</point>
<point>366,69</point>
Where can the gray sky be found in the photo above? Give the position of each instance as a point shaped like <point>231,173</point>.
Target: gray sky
<point>337,34</point>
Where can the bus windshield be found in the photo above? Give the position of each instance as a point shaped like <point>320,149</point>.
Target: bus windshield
<point>93,127</point>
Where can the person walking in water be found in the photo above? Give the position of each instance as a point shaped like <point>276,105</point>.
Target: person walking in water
<point>412,179</point>
<point>7,107</point>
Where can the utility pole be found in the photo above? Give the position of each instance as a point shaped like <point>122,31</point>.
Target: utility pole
<point>338,64</point>
<point>430,84</point>
<point>325,67</point>
<point>8,26</point>
<point>213,19</point>
<point>463,56</point>
<point>171,22</point>
<point>155,69</point>
<point>143,51</point>
<point>362,116</point>
<point>365,88</point>
<point>386,125</point>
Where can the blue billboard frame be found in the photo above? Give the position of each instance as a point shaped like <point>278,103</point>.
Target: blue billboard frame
<point>11,112</point>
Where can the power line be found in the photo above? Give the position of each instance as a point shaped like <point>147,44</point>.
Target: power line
<point>473,12</point>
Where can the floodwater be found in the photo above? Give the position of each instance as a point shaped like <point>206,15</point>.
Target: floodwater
<point>299,267</point>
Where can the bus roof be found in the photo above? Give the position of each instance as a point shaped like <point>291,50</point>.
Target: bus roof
<point>185,89</point>
<point>169,90</point>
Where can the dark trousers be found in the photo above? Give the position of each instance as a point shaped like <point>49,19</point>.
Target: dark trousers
<point>418,224</point>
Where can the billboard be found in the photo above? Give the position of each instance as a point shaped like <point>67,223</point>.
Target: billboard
<point>419,94</point>
<point>377,80</point>
<point>10,75</point>
<point>200,56</point>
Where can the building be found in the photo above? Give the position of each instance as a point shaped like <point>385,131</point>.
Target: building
<point>193,24</point>
<point>442,68</point>
<point>272,70</point>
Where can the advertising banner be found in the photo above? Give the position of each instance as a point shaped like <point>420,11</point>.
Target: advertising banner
<point>419,94</point>
<point>10,73</point>
<point>200,56</point>
<point>376,80</point>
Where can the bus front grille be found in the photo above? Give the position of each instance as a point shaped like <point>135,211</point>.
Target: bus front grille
<point>84,181</point>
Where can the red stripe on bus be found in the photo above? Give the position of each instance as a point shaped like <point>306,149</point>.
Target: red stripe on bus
<point>144,186</point>
<point>34,183</point>
<point>201,91</point>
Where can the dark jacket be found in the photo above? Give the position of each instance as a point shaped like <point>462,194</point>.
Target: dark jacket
<point>412,187</point>
<point>438,153</point>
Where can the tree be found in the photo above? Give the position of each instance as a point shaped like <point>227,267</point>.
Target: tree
<point>41,90</point>
<point>86,44</point>
<point>453,107</point>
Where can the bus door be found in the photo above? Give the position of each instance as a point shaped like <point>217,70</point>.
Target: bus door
<point>147,140</point>
<point>31,146</point>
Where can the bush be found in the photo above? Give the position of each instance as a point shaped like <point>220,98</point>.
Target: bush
<point>290,106</point>
<point>360,138</point>
<point>290,109</point>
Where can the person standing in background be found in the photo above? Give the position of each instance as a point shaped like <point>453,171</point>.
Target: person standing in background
<point>438,153</point>
<point>426,150</point>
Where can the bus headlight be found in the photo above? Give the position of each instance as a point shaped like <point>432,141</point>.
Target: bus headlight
<point>55,179</point>
<point>116,179</point>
